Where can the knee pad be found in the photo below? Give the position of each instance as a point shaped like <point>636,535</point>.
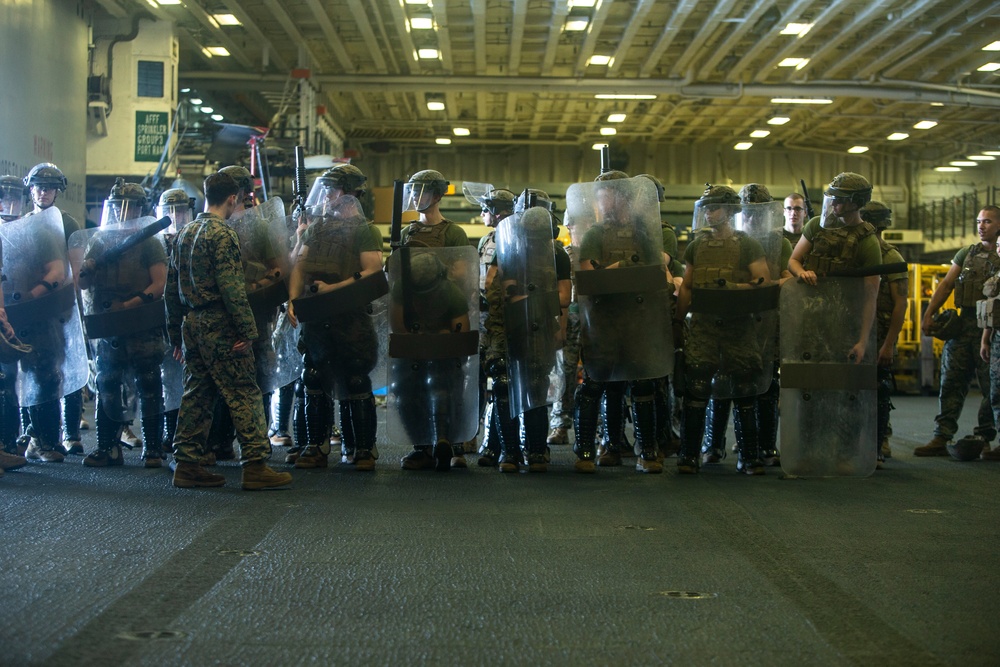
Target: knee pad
<point>698,379</point>
<point>588,389</point>
<point>312,380</point>
<point>359,386</point>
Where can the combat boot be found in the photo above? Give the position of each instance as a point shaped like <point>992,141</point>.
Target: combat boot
<point>443,453</point>
<point>713,449</point>
<point>362,422</point>
<point>128,438</point>
<point>313,456</point>
<point>35,452</point>
<point>558,436</point>
<point>73,447</point>
<point>105,458</point>
<point>748,460</point>
<point>508,430</point>
<point>609,456</point>
<point>192,475</point>
<point>109,451</point>
<point>419,459</point>
<point>585,427</point>
<point>692,430</point>
<point>767,429</point>
<point>10,461</point>
<point>152,437</point>
<point>258,475</point>
<point>644,418</point>
<point>938,446</point>
<point>489,450</point>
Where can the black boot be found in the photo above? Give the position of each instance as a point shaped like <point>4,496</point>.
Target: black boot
<point>713,449</point>
<point>109,449</point>
<point>613,408</point>
<point>489,450</point>
<point>298,424</point>
<point>508,429</point>
<point>362,422</point>
<point>535,423</point>
<point>348,441</point>
<point>152,439</point>
<point>317,453</point>
<point>748,459</point>
<point>692,431</point>
<point>588,397</point>
<point>170,426</point>
<point>644,418</point>
<point>767,425</point>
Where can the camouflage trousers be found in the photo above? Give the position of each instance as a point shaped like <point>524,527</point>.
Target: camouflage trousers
<point>995,376</point>
<point>567,360</point>
<point>211,370</point>
<point>959,364</point>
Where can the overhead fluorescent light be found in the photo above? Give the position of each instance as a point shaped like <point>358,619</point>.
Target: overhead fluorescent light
<point>443,141</point>
<point>152,3</point>
<point>947,169</point>
<point>982,158</point>
<point>461,131</point>
<point>616,117</point>
<point>897,136</point>
<point>576,23</point>
<point>857,150</point>
<point>435,105</point>
<point>991,152</point>
<point>185,90</point>
<point>797,63</point>
<point>427,54</point>
<point>217,50</point>
<point>799,29</point>
<point>217,117</point>
<point>937,104</point>
<point>778,120</point>
<point>418,2</point>
<point>992,46</point>
<point>196,101</point>
<point>207,110</point>
<point>582,3</point>
<point>608,131</point>
<point>925,125</point>
<point>169,2</point>
<point>760,134</point>
<point>226,19</point>
<point>422,23</point>
<point>989,67</point>
<point>963,163</point>
<point>743,146</point>
<point>623,96</point>
<point>598,147</point>
<point>801,100</point>
<point>600,60</point>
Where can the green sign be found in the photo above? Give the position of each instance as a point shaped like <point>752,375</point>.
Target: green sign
<point>151,128</point>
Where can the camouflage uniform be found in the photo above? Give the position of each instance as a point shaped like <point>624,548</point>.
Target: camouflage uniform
<point>961,360</point>
<point>883,316</point>
<point>207,309</point>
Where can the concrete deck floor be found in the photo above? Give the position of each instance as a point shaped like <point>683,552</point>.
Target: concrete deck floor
<point>116,567</point>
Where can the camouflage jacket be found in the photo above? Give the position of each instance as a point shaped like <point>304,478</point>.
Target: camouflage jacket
<point>206,272</point>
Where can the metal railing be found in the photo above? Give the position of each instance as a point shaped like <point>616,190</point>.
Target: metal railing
<point>951,217</point>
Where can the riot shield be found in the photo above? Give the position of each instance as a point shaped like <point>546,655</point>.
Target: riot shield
<point>433,345</point>
<point>34,255</point>
<point>530,305</point>
<point>828,402</point>
<point>172,377</point>
<point>734,321</point>
<point>340,310</point>
<point>126,329</point>
<point>615,226</point>
<point>263,239</point>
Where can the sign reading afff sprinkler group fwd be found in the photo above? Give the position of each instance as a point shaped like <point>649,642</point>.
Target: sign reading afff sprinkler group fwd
<point>151,129</point>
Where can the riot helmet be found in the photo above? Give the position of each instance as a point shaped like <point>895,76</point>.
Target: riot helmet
<point>342,179</point>
<point>426,271</point>
<point>659,186</point>
<point>176,205</point>
<point>45,181</point>
<point>877,214</point>
<point>11,197</point>
<point>612,175</point>
<point>419,191</point>
<point>759,213</point>
<point>968,448</point>
<point>843,199</point>
<point>125,202</point>
<point>716,208</point>
<point>541,200</point>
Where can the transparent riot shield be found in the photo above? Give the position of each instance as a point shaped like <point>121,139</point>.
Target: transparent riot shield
<point>433,345</point>
<point>40,300</point>
<point>621,280</point>
<point>263,238</point>
<point>828,400</point>
<point>172,377</point>
<point>126,328</point>
<point>527,272</point>
<point>734,319</point>
<point>342,312</point>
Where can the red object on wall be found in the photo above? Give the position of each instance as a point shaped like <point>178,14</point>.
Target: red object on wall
<point>301,73</point>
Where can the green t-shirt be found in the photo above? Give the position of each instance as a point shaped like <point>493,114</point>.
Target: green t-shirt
<point>868,254</point>
<point>426,235</point>
<point>891,256</point>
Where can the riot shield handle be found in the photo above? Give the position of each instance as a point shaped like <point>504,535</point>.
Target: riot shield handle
<point>396,224</point>
<point>136,239</point>
<point>605,159</point>
<point>805,197</point>
<point>396,243</point>
<point>299,186</point>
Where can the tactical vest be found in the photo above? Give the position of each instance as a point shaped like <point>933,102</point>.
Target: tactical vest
<point>619,244</point>
<point>427,236</point>
<point>120,280</point>
<point>988,309</point>
<point>834,249</point>
<point>979,265</point>
<point>333,252</point>
<point>429,307</point>
<point>719,259</point>
<point>487,253</point>
<point>884,303</point>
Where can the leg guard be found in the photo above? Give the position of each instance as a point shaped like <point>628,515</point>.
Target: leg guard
<point>614,416</point>
<point>299,416</point>
<point>644,418</point>
<point>489,450</point>
<point>588,397</point>
<point>108,430</point>
<point>713,447</point>
<point>285,403</point>
<point>170,425</point>
<point>535,429</point>
<point>348,438</point>
<point>692,431</point>
<point>767,422</point>
<point>72,410</point>
<point>508,429</point>
<point>748,459</point>
<point>317,420</point>
<point>361,422</point>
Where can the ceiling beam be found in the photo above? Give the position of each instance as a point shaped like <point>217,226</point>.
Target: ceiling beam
<point>711,24</point>
<point>478,8</point>
<point>236,8</point>
<point>235,51</point>
<point>670,32</point>
<point>332,38</point>
<point>516,41</point>
<point>560,8</point>
<point>628,36</point>
<point>593,32</point>
<point>295,37</point>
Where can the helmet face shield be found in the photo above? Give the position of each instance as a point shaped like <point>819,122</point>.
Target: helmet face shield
<point>835,209</point>
<point>321,197</point>
<point>120,210</point>
<point>11,199</point>
<point>760,219</point>
<point>714,215</point>
<point>179,214</point>
<point>418,196</point>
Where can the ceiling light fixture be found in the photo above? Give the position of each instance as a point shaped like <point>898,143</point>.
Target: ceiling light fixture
<point>207,110</point>
<point>937,104</point>
<point>582,3</point>
<point>600,60</point>
<point>989,67</point>
<point>760,134</point>
<point>982,158</point>
<point>443,141</point>
<point>857,150</point>
<point>217,50</point>
<point>576,23</point>
<point>963,163</point>
<point>427,54</point>
<point>797,63</point>
<point>616,117</point>
<point>598,147</point>
<point>169,2</point>
<point>897,136</point>
<point>947,169</point>
<point>422,23</point>
<point>435,102</point>
<point>992,46</point>
<point>196,101</point>
<point>226,19</point>
<point>217,117</point>
<point>801,100</point>
<point>798,29</point>
<point>743,146</point>
<point>623,96</point>
<point>608,131</point>
<point>461,131</point>
<point>925,125</point>
<point>778,120</point>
